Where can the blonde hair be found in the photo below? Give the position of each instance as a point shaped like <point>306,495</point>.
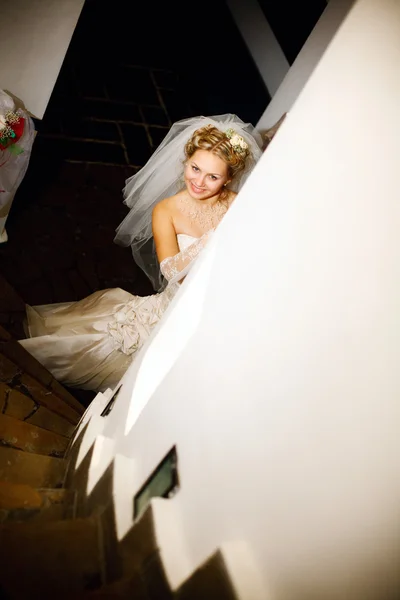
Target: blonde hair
<point>214,140</point>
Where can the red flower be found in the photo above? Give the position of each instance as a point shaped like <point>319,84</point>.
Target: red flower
<point>18,129</point>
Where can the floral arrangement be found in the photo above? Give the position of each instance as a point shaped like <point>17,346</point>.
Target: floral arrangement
<point>11,130</point>
<point>236,141</point>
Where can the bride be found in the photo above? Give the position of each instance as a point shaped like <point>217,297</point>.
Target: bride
<point>90,344</point>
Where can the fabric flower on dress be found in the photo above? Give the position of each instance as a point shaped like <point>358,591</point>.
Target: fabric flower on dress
<point>124,332</point>
<point>132,325</point>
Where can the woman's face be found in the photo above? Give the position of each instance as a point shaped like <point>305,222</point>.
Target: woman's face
<point>205,175</point>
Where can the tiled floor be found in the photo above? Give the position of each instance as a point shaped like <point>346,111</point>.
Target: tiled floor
<point>129,73</point>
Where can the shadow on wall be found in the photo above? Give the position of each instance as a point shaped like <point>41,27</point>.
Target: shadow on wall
<point>136,560</point>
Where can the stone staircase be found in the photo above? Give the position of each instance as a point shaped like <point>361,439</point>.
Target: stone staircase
<point>44,550</point>
<point>55,542</point>
<point>50,545</point>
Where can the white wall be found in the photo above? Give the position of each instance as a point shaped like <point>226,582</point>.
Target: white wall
<point>306,61</point>
<point>261,42</point>
<point>34,38</point>
<point>284,400</point>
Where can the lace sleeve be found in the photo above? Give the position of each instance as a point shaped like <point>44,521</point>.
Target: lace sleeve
<point>174,268</point>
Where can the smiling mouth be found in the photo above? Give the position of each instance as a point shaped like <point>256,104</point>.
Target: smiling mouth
<point>196,189</point>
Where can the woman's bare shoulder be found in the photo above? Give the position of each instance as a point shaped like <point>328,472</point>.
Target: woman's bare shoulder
<point>168,205</point>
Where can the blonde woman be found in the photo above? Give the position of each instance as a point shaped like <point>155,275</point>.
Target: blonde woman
<point>177,200</point>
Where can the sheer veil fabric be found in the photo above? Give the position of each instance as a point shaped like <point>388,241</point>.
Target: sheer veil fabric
<point>162,176</point>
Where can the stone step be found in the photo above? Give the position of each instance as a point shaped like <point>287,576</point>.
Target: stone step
<point>53,512</point>
<point>19,502</point>
<point>132,587</point>
<point>36,470</point>
<point>30,438</point>
<point>14,403</point>
<point>46,419</point>
<point>13,376</point>
<point>53,495</point>
<point>49,560</point>
<point>28,364</point>
<point>19,495</point>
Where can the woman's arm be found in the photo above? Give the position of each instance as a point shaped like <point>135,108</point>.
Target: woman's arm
<point>164,232</point>
<point>174,265</point>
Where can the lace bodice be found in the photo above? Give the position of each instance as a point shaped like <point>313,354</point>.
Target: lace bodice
<point>202,214</point>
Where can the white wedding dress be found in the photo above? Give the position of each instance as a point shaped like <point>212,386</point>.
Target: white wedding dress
<point>89,344</point>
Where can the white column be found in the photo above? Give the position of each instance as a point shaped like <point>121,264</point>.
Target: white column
<point>261,42</point>
<point>306,61</point>
<point>34,38</point>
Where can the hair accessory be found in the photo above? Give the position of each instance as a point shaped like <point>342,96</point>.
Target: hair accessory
<point>236,141</point>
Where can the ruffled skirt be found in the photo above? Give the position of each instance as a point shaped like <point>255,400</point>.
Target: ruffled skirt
<point>90,344</point>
